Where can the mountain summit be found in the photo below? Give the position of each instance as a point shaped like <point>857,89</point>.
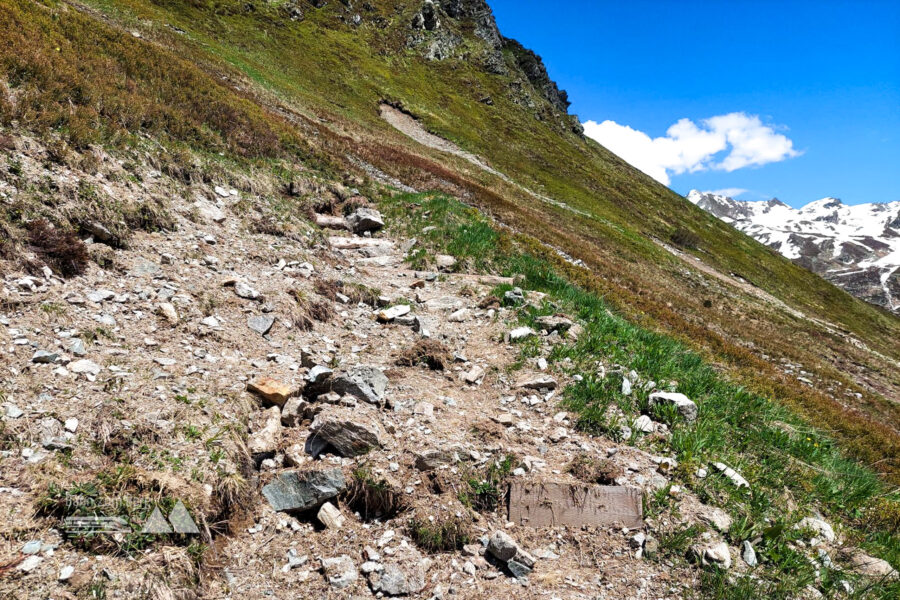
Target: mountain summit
<point>856,247</point>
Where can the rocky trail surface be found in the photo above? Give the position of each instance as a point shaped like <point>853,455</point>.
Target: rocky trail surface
<point>318,421</point>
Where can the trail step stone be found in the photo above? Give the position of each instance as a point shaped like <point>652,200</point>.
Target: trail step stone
<point>551,504</point>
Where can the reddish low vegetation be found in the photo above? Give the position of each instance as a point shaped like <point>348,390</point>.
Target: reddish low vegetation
<point>61,250</point>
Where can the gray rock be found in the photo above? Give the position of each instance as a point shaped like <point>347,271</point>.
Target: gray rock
<point>294,411</point>
<point>537,382</point>
<point>349,433</point>
<point>44,357</point>
<point>300,491</point>
<point>340,572</point>
<point>77,348</point>
<point>518,570</point>
<point>364,382</point>
<point>429,460</point>
<point>717,554</point>
<point>748,554</point>
<point>403,575</point>
<point>551,324</point>
<point>32,547</point>
<point>394,312</point>
<point>261,324</point>
<point>514,296</point>
<point>502,547</point>
<point>245,291</point>
<point>473,375</point>
<point>167,310</point>
<point>100,295</point>
<point>363,220</point>
<point>85,367</point>
<point>684,405</point>
<point>318,374</point>
<point>820,527</point>
<point>444,262</point>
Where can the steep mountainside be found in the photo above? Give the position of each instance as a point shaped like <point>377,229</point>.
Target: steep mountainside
<point>855,247</point>
<point>317,299</point>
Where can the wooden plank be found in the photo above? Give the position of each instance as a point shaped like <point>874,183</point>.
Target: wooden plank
<point>548,504</point>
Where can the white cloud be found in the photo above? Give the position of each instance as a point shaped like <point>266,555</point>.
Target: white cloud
<point>725,143</point>
<point>730,192</point>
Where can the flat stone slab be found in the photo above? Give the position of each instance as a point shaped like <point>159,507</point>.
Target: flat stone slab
<point>548,504</point>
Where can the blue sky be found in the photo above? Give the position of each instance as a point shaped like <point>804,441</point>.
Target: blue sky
<point>794,99</point>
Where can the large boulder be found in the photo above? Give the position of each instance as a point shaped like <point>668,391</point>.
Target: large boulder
<point>301,491</point>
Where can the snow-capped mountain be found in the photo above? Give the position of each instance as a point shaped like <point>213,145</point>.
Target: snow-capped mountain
<point>855,247</point>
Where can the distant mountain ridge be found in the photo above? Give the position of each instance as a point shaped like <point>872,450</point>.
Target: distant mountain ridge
<point>856,247</point>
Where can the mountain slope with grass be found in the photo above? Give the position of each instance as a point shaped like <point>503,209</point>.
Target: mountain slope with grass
<point>213,155</point>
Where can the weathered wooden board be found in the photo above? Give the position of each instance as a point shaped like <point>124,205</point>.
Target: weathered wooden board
<point>546,504</point>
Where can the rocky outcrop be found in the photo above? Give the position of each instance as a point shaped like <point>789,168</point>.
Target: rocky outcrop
<point>533,67</point>
<point>438,29</point>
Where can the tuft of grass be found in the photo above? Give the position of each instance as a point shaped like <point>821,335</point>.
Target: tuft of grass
<point>440,535</point>
<point>373,497</point>
<point>487,487</point>
<point>430,353</point>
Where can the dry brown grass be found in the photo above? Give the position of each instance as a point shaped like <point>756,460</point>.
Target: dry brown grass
<point>374,497</point>
<point>357,293</point>
<point>308,311</point>
<point>427,352</point>
<point>60,249</point>
<point>594,470</point>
